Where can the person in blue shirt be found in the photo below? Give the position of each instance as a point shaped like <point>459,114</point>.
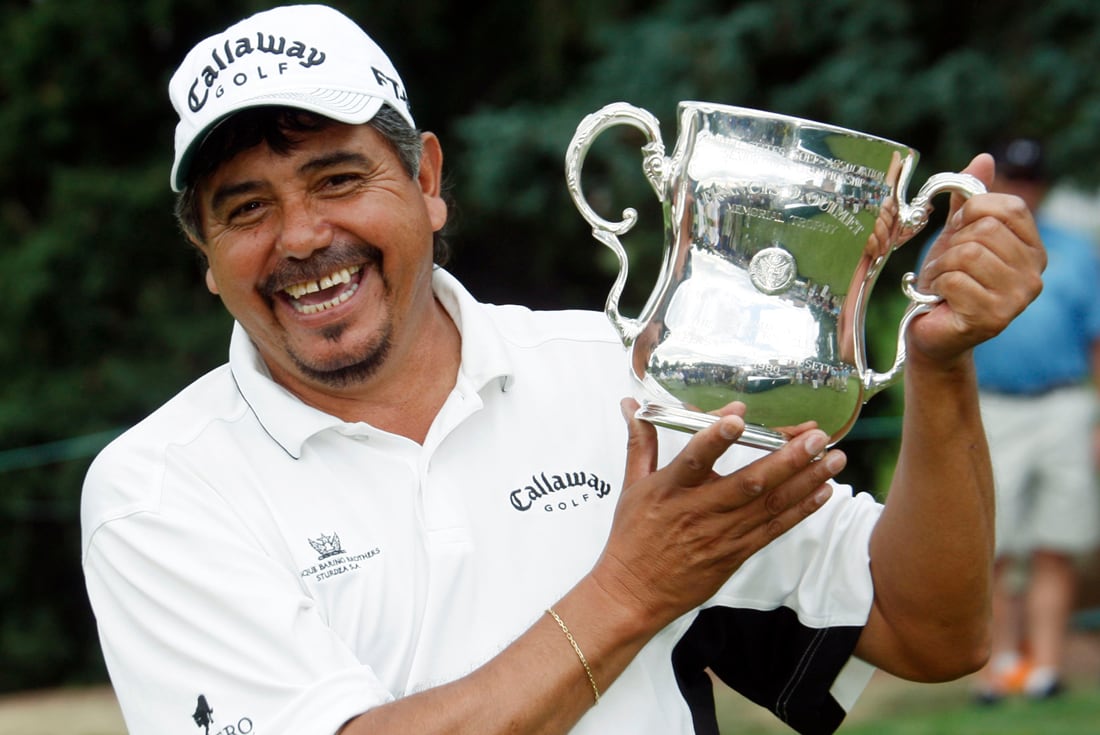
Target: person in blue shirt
<point>1037,383</point>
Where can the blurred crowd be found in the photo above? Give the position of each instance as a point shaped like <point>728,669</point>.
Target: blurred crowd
<point>1039,382</point>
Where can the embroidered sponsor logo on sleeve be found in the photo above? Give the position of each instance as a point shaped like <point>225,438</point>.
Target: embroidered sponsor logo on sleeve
<point>204,718</point>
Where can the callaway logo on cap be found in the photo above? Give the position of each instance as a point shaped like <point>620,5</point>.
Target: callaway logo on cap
<point>306,56</point>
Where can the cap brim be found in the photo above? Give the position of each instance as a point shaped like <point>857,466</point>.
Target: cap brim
<point>343,106</point>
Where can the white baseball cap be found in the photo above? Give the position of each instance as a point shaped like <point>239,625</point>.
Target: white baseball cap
<point>310,57</point>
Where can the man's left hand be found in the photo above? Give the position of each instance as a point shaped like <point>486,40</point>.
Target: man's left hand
<point>986,265</point>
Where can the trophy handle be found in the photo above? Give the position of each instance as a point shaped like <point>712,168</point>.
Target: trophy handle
<point>914,217</point>
<point>654,166</point>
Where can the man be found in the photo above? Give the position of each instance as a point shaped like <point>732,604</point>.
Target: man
<point>399,510</point>
<point>1038,381</point>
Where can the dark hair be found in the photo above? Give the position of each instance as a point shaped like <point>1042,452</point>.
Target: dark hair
<point>280,129</point>
<point>1020,159</point>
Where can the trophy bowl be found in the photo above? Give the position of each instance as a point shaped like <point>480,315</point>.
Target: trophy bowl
<point>775,231</point>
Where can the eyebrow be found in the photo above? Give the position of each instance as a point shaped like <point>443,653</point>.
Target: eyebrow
<point>228,191</point>
<point>336,158</point>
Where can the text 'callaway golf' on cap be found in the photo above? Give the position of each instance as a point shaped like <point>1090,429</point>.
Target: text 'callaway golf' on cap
<point>310,57</point>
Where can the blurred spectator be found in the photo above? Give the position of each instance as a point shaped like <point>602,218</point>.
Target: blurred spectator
<point>1038,382</point>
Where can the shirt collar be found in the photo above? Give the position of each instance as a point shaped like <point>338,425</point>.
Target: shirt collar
<point>290,422</point>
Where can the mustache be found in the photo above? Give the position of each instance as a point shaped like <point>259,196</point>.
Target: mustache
<point>328,260</point>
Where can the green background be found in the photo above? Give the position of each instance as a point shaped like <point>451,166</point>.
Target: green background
<point>105,312</point>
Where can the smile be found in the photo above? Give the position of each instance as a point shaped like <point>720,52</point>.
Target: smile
<point>312,297</point>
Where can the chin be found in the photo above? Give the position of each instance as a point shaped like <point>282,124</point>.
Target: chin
<point>348,370</point>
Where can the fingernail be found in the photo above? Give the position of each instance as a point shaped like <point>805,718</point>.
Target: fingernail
<point>835,461</point>
<point>730,427</point>
<point>815,443</point>
<point>957,220</point>
<point>823,494</point>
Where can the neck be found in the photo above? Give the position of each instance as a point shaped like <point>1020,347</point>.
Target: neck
<point>405,395</point>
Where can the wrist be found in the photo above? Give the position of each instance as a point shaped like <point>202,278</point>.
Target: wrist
<point>624,614</point>
<point>958,371</point>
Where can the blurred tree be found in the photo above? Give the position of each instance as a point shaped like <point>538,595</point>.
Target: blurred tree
<point>940,77</point>
<point>106,315</point>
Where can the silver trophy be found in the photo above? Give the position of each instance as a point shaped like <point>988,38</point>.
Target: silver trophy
<point>776,229</point>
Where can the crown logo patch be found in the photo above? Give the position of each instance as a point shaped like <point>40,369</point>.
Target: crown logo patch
<point>327,546</point>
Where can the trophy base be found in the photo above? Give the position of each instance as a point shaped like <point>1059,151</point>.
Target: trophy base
<point>682,419</point>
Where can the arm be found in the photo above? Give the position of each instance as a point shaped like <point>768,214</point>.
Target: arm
<point>932,550</point>
<point>678,535</point>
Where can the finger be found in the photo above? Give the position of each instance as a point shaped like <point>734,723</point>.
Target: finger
<point>794,430</point>
<point>768,473</point>
<point>994,242</point>
<point>641,444</point>
<point>981,167</point>
<point>694,464</point>
<point>1004,223</point>
<point>733,408</point>
<point>782,507</point>
<point>997,249</point>
<point>772,527</point>
<point>800,488</point>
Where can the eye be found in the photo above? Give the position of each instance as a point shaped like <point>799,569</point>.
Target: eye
<point>341,182</point>
<point>246,212</point>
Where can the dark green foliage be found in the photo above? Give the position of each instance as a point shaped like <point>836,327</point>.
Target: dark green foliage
<point>105,310</point>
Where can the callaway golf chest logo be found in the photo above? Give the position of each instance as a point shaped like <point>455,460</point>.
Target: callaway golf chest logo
<point>552,492</point>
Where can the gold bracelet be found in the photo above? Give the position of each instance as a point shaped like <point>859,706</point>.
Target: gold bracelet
<point>584,661</point>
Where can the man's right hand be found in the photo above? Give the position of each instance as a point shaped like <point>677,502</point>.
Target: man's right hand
<point>682,531</point>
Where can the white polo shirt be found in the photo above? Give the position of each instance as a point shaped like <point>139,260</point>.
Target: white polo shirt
<point>257,566</point>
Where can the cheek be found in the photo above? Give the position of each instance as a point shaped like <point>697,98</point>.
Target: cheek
<point>233,280</point>
<point>235,264</point>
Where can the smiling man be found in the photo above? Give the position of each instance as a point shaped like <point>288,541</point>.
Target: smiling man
<point>323,252</point>
<point>397,509</point>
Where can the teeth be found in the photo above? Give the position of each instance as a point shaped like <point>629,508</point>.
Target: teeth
<point>315,308</point>
<point>298,290</point>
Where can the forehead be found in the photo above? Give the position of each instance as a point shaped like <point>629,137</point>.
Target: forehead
<point>299,153</point>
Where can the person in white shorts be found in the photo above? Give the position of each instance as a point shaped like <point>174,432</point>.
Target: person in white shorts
<point>400,510</point>
<point>1038,381</point>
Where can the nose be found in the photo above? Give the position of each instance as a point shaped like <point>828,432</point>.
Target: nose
<point>303,231</point>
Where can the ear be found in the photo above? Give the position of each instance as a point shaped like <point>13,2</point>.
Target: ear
<point>430,179</point>
<point>211,285</point>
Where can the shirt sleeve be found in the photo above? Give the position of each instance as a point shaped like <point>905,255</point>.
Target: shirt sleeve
<point>200,625</point>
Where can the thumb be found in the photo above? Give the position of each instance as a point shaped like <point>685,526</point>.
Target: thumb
<point>981,168</point>
<point>641,444</point>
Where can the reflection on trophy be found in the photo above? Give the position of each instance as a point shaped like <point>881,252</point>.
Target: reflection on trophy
<point>776,229</point>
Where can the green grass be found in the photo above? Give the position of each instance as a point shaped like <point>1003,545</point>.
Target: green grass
<point>892,707</point>
<point>1076,713</point>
